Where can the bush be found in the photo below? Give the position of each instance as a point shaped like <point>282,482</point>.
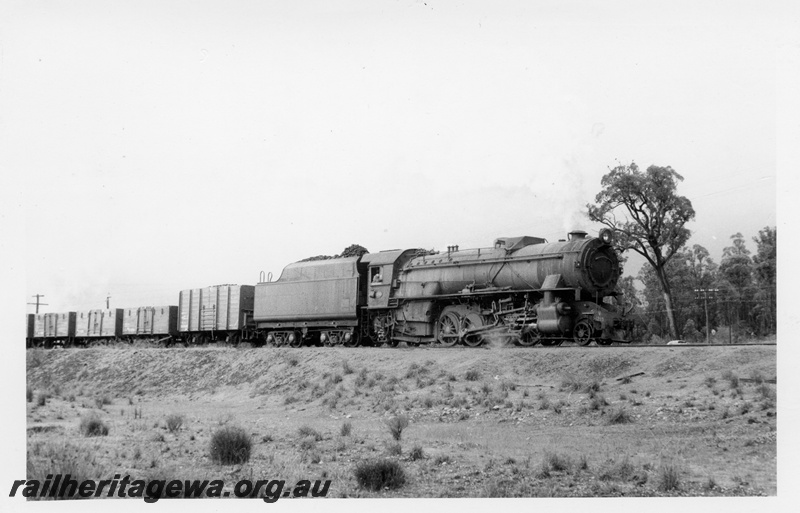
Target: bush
<point>230,445</point>
<point>29,394</point>
<point>346,429</point>
<point>396,426</point>
<point>42,399</point>
<point>93,426</point>
<point>174,422</point>
<point>379,474</point>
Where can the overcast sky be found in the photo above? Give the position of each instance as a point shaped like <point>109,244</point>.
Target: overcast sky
<point>158,146</point>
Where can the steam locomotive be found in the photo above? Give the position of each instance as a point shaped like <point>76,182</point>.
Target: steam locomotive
<point>523,291</point>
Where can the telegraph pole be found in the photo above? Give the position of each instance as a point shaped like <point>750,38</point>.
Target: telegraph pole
<point>107,301</point>
<point>705,301</point>
<point>37,303</point>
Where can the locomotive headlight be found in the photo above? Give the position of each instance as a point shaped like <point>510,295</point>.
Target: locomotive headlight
<point>607,235</point>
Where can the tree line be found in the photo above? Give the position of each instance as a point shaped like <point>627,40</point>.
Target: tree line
<point>686,293</point>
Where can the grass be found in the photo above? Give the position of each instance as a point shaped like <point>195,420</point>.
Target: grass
<point>230,445</point>
<point>394,449</point>
<point>65,458</point>
<point>376,475</point>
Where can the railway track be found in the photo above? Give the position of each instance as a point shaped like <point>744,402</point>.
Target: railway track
<point>451,348</point>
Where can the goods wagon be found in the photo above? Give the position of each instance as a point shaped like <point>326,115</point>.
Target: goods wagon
<point>98,325</point>
<point>54,328</point>
<point>153,323</point>
<point>216,313</point>
<point>28,330</point>
<point>320,294</point>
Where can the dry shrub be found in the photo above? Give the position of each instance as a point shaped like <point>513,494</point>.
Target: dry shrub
<point>668,477</point>
<point>619,416</point>
<point>378,474</point>
<point>396,426</point>
<point>573,384</point>
<point>93,426</point>
<point>472,375</point>
<point>731,378</point>
<point>230,445</point>
<point>556,462</point>
<point>308,431</point>
<point>416,453</point>
<point>174,422</point>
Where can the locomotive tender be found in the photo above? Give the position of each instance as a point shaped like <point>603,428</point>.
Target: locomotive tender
<point>522,291</point>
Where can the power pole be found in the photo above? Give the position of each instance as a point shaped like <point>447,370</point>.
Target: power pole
<point>37,303</point>
<point>107,301</point>
<point>705,301</point>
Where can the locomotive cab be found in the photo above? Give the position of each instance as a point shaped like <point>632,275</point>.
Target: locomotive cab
<point>382,275</point>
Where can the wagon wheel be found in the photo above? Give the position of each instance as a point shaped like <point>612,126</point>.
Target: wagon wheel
<point>582,333</point>
<point>529,338</point>
<point>353,342</point>
<point>447,329</point>
<point>472,321</point>
<point>298,339</point>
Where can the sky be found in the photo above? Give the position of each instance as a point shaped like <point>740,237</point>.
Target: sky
<point>165,145</point>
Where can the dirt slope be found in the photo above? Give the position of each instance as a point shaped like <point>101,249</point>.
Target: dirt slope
<point>483,422</point>
<point>184,371</point>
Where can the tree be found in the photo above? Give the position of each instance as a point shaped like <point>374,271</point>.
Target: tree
<point>736,268</point>
<point>691,273</point>
<point>765,262</point>
<point>652,218</point>
<point>354,250</point>
<point>350,251</point>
